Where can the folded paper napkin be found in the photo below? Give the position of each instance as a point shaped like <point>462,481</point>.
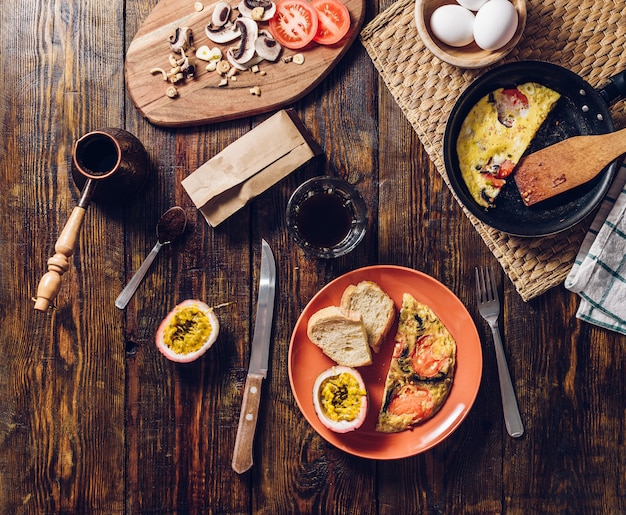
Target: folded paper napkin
<point>250,165</point>
<point>599,272</point>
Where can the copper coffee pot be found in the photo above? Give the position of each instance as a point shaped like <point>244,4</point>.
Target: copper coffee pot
<point>108,165</point>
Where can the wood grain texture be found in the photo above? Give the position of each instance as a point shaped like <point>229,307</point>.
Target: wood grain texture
<point>202,100</point>
<point>93,419</point>
<point>566,165</point>
<point>243,450</point>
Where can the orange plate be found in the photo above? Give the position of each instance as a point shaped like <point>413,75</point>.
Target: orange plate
<point>306,361</point>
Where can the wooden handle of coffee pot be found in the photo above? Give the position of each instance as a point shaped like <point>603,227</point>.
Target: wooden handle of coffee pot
<point>59,263</point>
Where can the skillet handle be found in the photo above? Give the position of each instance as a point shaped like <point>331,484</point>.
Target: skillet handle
<point>614,89</point>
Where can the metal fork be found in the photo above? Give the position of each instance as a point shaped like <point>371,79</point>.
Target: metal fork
<point>489,309</point>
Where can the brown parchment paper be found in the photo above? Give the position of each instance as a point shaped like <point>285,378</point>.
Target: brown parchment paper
<point>250,165</point>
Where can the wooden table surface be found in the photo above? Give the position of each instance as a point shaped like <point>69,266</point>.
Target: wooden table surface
<point>93,419</point>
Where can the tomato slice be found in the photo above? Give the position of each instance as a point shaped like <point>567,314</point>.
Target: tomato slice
<point>506,169</point>
<point>295,23</point>
<point>412,401</point>
<point>334,21</point>
<point>495,182</point>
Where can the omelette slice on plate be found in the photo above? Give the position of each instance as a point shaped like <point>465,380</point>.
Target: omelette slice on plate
<point>495,134</point>
<point>421,370</point>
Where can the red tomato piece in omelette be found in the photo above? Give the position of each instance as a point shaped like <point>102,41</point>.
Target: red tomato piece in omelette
<point>426,363</point>
<point>413,401</point>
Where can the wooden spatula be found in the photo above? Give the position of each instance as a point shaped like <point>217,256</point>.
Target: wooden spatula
<point>567,164</point>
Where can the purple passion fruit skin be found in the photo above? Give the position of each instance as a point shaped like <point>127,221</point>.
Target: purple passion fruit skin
<point>188,331</point>
<point>340,399</point>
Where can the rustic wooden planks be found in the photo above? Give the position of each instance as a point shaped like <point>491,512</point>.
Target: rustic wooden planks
<point>93,419</point>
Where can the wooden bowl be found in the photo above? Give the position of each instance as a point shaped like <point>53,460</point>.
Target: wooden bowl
<point>469,56</point>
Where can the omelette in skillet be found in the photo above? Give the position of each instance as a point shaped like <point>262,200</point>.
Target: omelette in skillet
<point>495,134</point>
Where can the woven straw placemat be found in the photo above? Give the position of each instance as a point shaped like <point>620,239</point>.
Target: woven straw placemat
<point>587,36</point>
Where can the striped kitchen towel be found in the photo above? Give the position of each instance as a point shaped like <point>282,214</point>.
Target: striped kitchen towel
<point>599,272</point>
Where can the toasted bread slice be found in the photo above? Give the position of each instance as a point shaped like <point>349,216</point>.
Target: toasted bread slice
<point>376,308</point>
<point>341,335</point>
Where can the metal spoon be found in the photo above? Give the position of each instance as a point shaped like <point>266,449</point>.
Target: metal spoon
<point>170,226</point>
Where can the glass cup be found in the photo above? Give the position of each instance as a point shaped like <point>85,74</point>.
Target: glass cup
<point>326,217</point>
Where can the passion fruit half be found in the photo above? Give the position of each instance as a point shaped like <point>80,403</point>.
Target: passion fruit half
<point>340,399</point>
<point>188,331</point>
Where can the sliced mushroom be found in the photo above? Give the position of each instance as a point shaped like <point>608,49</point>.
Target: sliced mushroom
<point>224,34</point>
<point>245,51</point>
<point>256,59</point>
<point>251,4</point>
<point>221,14</point>
<point>188,69</point>
<point>181,40</point>
<point>259,10</point>
<point>266,46</point>
<point>183,66</point>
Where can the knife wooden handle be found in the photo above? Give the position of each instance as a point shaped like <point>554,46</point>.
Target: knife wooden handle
<point>242,455</point>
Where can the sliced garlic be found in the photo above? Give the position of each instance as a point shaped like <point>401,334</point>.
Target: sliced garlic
<point>159,70</point>
<point>208,54</point>
<point>223,67</point>
<point>257,13</point>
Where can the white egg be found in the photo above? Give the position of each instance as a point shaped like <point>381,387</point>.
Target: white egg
<point>453,25</point>
<point>495,24</point>
<point>472,5</point>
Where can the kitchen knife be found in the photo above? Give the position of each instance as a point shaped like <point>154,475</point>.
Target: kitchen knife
<point>259,357</point>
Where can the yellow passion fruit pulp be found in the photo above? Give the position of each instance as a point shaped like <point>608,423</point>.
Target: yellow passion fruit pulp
<point>340,399</point>
<point>187,331</point>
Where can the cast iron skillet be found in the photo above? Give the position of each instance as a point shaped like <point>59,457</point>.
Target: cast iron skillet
<point>581,110</point>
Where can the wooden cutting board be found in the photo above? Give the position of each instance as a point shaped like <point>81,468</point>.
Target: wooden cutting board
<point>201,100</point>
